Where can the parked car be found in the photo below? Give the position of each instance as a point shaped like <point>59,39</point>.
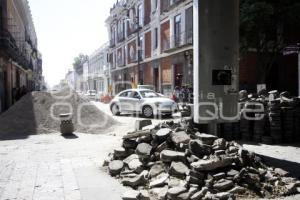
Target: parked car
<point>91,95</point>
<point>148,87</point>
<point>142,101</point>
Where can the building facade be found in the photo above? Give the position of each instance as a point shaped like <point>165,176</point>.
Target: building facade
<point>151,43</point>
<point>20,64</point>
<point>70,79</point>
<point>96,71</point>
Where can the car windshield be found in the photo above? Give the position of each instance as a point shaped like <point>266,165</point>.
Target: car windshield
<point>148,94</point>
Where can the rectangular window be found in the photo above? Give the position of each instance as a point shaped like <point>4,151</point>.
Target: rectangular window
<point>141,15</point>
<point>155,38</point>
<point>140,48</point>
<point>154,5</point>
<point>177,30</point>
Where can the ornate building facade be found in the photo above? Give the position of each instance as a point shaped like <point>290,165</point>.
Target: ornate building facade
<point>20,61</point>
<point>151,43</point>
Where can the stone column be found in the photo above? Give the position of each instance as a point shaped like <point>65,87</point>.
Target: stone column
<point>216,47</point>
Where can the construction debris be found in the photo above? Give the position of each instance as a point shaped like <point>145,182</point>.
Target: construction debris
<point>175,161</point>
<point>278,122</point>
<point>39,113</point>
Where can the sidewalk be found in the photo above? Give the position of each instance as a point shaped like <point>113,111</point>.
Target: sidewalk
<point>50,167</point>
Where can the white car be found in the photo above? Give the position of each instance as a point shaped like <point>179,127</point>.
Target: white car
<point>142,101</point>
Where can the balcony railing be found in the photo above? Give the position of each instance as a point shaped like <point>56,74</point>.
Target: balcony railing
<point>179,40</point>
<point>166,45</point>
<point>112,43</point>
<point>132,29</point>
<point>121,37</point>
<point>121,62</point>
<point>9,45</point>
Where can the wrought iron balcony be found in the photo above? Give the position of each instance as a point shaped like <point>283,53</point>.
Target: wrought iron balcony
<point>121,37</point>
<point>9,45</point>
<point>112,43</point>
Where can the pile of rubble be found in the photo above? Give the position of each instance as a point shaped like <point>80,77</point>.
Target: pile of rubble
<point>174,161</point>
<point>38,113</point>
<point>280,122</point>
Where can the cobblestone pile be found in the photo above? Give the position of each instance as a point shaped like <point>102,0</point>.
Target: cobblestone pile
<point>279,122</point>
<point>174,161</point>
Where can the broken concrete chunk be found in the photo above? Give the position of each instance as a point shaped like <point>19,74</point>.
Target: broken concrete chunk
<point>130,158</point>
<point>237,190</point>
<point>169,156</point>
<point>129,144</point>
<point>176,182</point>
<point>192,191</point>
<point>291,189</point>
<point>134,163</point>
<point>144,195</point>
<point>159,193</point>
<point>131,195</point>
<point>183,196</point>
<point>120,153</point>
<point>197,175</point>
<point>115,167</point>
<point>180,138</point>
<point>178,169</point>
<point>223,185</point>
<point>139,180</point>
<point>197,148</point>
<point>219,144</point>
<point>174,192</point>
<point>223,195</point>
<point>232,173</point>
<point>160,180</point>
<point>233,149</point>
<point>219,176</point>
<point>192,159</point>
<point>206,138</point>
<point>194,180</point>
<point>156,169</point>
<point>137,134</point>
<point>220,152</point>
<point>212,164</point>
<point>199,195</point>
<point>161,147</point>
<point>281,172</point>
<point>163,134</point>
<point>143,150</point>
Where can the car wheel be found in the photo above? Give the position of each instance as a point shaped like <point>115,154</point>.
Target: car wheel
<point>148,111</point>
<point>115,109</point>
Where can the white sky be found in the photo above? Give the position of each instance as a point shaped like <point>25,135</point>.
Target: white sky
<point>66,28</point>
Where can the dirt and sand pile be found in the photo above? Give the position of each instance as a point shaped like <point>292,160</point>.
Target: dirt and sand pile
<point>175,161</point>
<point>38,113</point>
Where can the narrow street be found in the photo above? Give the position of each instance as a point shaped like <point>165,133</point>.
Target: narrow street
<point>51,167</point>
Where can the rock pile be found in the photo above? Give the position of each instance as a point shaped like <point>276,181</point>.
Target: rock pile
<point>280,121</point>
<point>175,161</point>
